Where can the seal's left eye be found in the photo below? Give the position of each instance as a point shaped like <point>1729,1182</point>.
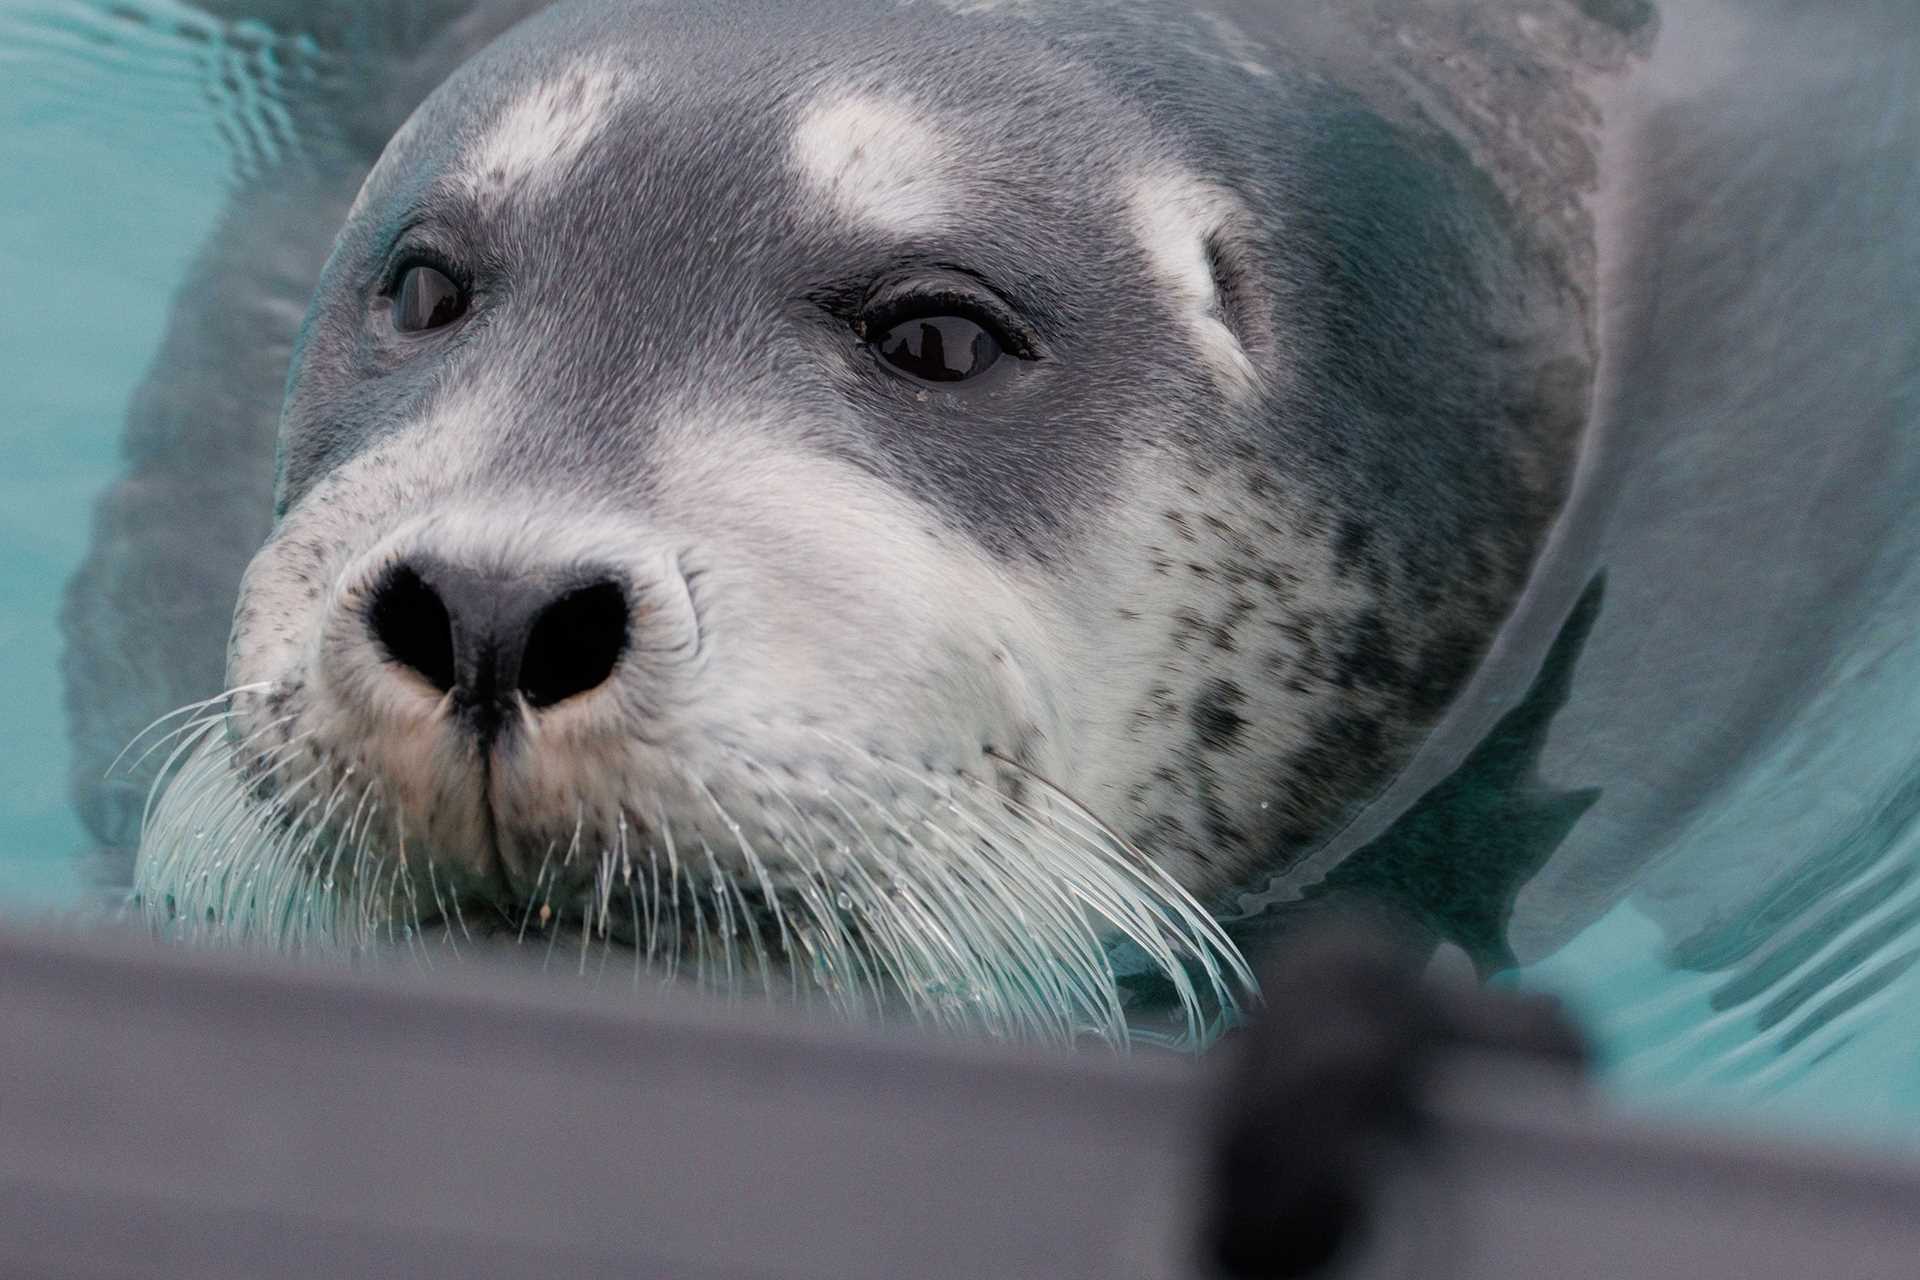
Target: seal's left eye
<point>427,299</point>
<point>939,348</point>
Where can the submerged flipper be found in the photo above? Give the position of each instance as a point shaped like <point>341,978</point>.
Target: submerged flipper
<point>1451,867</point>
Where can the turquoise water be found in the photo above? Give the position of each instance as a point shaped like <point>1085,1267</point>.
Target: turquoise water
<point>1671,1041</point>
<point>114,168</point>
<point>117,154</point>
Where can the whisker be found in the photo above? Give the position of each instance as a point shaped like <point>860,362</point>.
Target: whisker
<point>539,878</point>
<point>881,889</point>
<point>440,905</point>
<point>189,709</point>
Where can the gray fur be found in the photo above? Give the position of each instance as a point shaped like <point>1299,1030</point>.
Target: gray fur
<point>1415,290</point>
<point>1736,734</point>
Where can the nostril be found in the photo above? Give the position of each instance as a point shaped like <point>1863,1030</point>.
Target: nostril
<point>410,621</point>
<point>575,644</point>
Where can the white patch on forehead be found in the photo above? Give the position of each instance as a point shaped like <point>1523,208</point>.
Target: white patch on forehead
<point>545,129</point>
<point>877,160</point>
<point>1174,215</point>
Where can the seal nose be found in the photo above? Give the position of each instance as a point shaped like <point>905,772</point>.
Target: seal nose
<point>486,636</point>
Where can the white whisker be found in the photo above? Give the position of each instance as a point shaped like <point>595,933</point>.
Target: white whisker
<point>880,889</point>
<point>190,709</point>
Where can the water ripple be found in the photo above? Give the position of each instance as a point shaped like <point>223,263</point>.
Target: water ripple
<point>158,58</point>
<point>1762,1004</point>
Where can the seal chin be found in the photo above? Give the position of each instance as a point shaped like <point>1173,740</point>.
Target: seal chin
<point>877,889</point>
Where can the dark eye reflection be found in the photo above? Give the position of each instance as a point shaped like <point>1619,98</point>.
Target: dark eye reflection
<point>939,348</point>
<point>427,299</point>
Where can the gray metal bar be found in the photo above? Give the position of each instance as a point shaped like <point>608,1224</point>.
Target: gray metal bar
<point>166,1113</point>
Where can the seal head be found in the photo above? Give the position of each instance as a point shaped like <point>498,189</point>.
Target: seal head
<point>883,458</point>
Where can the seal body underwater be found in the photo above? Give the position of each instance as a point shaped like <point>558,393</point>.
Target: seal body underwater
<point>886,492</point>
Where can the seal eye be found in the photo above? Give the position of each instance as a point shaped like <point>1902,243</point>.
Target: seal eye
<point>427,299</point>
<point>942,348</point>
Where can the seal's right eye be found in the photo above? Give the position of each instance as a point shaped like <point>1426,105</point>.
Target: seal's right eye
<point>427,299</point>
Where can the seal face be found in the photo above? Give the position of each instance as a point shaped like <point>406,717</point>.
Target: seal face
<point>892,492</point>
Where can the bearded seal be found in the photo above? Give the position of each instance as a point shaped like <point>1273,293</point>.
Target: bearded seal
<point>886,498</point>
